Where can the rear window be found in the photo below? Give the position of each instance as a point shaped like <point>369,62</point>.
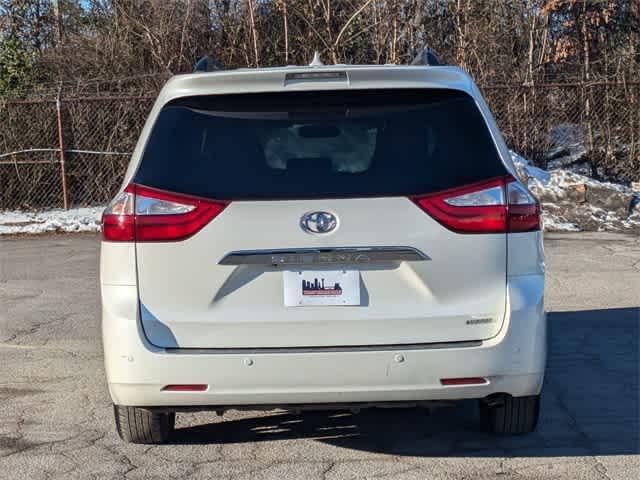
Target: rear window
<point>319,145</point>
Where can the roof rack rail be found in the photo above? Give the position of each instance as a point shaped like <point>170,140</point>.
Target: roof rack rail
<point>427,57</point>
<point>207,64</point>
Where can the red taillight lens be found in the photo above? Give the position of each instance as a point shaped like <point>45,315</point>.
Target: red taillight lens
<point>475,208</point>
<point>117,218</point>
<point>145,214</point>
<point>524,209</point>
<point>499,205</point>
<point>162,216</point>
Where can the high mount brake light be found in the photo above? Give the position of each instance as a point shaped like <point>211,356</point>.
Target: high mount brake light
<point>143,214</point>
<point>499,205</point>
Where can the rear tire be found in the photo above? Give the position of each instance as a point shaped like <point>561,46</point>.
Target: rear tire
<point>510,415</point>
<point>139,425</point>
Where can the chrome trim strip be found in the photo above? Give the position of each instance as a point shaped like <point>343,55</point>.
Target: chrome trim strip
<point>324,256</point>
<point>355,348</point>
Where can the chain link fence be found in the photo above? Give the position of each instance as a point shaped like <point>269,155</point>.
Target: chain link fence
<point>66,152</point>
<point>73,151</point>
<point>594,128</point>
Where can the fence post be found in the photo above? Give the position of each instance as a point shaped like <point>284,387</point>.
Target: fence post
<point>63,167</point>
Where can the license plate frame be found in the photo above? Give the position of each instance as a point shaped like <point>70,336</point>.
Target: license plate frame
<point>307,288</point>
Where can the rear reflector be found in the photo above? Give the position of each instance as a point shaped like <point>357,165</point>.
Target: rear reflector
<point>464,381</point>
<point>499,205</point>
<point>145,214</point>
<point>198,387</point>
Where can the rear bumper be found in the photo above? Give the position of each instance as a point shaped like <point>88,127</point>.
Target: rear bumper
<point>513,362</point>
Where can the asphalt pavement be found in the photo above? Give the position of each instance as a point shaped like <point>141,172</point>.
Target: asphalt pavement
<point>56,419</point>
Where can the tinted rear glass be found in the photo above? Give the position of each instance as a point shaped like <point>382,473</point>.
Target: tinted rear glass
<point>319,145</point>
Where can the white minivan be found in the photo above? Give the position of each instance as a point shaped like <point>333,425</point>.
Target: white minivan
<point>322,237</point>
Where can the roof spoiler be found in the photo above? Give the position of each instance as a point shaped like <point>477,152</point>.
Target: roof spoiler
<point>207,64</point>
<point>427,57</point>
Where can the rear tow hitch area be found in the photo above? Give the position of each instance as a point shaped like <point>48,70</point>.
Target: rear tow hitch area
<point>495,400</point>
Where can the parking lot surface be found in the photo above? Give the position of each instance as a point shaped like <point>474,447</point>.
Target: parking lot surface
<point>56,419</point>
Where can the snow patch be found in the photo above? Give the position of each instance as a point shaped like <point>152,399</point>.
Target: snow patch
<point>559,180</point>
<point>573,202</point>
<point>553,222</point>
<point>73,220</point>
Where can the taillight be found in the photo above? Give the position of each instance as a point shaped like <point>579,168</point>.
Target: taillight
<point>499,205</point>
<point>145,214</point>
<point>524,209</point>
<point>117,219</point>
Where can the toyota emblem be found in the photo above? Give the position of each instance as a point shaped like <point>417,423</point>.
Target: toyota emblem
<point>318,222</point>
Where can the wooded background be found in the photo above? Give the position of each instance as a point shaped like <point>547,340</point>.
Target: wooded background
<point>560,75</point>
